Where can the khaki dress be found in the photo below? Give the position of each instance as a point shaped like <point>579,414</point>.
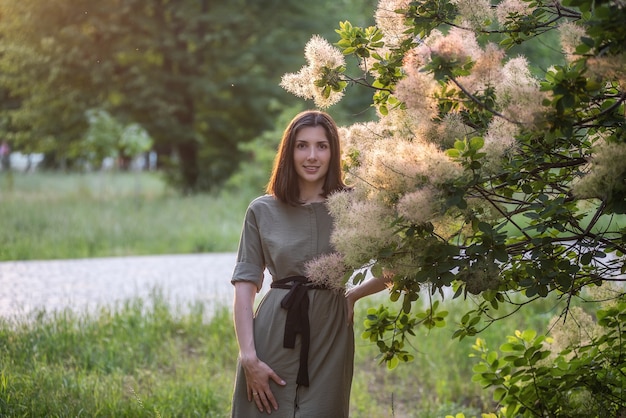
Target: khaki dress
<point>282,238</point>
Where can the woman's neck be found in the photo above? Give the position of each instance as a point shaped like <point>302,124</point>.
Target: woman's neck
<point>310,193</point>
<point>311,196</point>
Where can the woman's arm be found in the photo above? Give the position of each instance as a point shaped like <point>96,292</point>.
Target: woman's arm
<point>243,318</point>
<point>257,372</point>
<point>366,288</point>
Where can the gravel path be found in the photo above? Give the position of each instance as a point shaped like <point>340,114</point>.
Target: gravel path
<point>85,284</point>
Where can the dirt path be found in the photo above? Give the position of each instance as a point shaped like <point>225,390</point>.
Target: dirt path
<point>85,284</point>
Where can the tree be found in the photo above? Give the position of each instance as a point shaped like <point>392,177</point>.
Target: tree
<point>479,176</point>
<point>45,70</point>
<point>106,137</point>
<point>175,67</point>
<point>199,76</point>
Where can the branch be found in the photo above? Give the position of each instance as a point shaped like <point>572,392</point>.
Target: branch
<point>596,217</point>
<point>618,103</point>
<point>362,81</point>
<point>608,242</point>
<point>569,162</point>
<point>566,12</point>
<point>504,214</point>
<point>481,104</point>
<point>561,13</point>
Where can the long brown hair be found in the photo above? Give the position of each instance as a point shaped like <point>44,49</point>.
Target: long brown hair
<point>283,182</point>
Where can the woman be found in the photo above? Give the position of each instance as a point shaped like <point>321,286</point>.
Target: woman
<point>296,352</point>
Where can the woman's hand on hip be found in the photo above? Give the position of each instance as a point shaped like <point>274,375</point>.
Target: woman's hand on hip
<point>258,375</point>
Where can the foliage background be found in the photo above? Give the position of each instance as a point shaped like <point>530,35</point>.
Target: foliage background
<point>201,77</point>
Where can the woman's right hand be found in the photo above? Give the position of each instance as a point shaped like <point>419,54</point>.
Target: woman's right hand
<point>258,375</point>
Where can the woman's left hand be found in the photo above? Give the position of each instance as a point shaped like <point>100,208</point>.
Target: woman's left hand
<point>363,289</point>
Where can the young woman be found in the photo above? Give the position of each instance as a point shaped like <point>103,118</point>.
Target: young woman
<point>296,352</point>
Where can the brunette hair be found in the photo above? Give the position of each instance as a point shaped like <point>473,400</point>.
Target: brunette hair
<point>283,182</point>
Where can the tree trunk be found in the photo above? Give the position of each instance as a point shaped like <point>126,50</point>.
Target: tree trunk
<point>188,154</point>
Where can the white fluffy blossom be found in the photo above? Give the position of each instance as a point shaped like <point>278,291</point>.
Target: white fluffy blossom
<point>395,167</point>
<point>362,228</point>
<point>477,13</point>
<point>607,172</point>
<point>327,270</point>
<point>570,34</point>
<point>417,89</point>
<point>487,70</point>
<point>508,8</point>
<point>499,140</point>
<point>518,93</point>
<point>458,45</point>
<point>391,23</point>
<point>419,206</point>
<point>320,55</point>
<point>452,128</point>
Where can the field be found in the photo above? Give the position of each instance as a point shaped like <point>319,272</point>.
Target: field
<point>59,216</point>
<point>145,358</point>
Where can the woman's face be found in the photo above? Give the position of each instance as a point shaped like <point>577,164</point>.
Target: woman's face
<point>311,156</point>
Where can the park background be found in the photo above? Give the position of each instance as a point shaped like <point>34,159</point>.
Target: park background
<point>147,127</point>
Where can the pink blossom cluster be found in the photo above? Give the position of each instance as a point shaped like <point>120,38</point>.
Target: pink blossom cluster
<point>319,54</point>
<point>606,172</point>
<point>327,270</point>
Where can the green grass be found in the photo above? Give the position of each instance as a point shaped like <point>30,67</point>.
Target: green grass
<point>60,216</point>
<point>148,359</point>
<point>139,360</point>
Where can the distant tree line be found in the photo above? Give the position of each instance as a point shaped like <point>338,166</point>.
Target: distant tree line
<point>199,76</point>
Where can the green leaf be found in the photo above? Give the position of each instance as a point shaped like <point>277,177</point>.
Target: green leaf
<point>586,258</point>
<point>480,368</point>
<point>485,228</point>
<point>393,363</point>
<point>499,394</point>
<point>529,335</point>
<point>377,270</point>
<point>476,143</point>
<point>512,347</point>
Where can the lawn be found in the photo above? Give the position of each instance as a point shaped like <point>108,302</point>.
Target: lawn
<point>51,215</point>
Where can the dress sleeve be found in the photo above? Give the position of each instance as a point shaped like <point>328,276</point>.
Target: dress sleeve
<point>250,263</point>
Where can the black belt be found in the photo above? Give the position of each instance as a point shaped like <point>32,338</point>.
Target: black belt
<point>296,301</point>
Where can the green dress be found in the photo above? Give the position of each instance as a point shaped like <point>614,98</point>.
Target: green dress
<point>282,238</point>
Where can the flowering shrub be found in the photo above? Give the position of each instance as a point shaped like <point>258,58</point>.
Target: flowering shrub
<point>533,376</point>
<point>479,176</point>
